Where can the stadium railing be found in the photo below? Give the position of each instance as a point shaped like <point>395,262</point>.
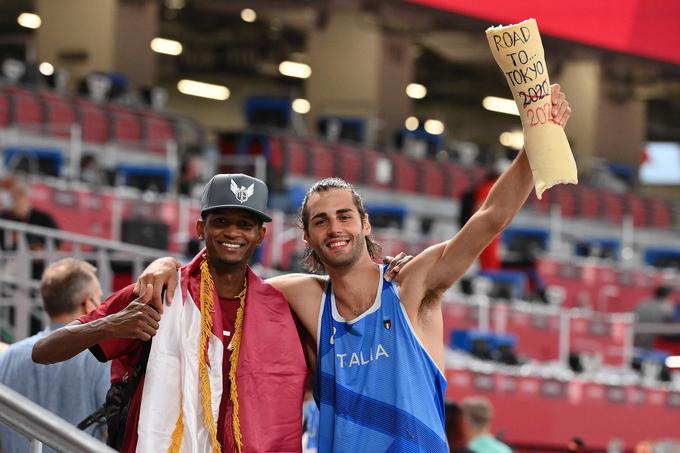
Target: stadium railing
<point>41,426</point>
<point>17,266</point>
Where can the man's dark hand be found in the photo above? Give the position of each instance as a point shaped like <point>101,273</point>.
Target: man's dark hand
<point>138,320</point>
<point>395,264</point>
<point>160,274</point>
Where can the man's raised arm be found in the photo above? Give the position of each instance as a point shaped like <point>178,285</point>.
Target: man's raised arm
<point>138,320</point>
<point>438,267</point>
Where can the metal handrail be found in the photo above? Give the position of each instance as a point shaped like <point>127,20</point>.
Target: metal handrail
<point>139,250</point>
<point>37,423</point>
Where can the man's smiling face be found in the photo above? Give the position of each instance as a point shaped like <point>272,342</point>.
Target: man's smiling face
<point>335,230</point>
<point>231,236</point>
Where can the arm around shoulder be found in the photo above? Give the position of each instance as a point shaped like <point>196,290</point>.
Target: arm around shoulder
<point>137,320</point>
<point>69,341</point>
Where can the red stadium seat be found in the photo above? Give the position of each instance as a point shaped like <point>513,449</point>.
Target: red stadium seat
<point>322,159</point>
<point>350,163</point>
<point>432,179</point>
<point>404,173</point>
<point>565,197</point>
<point>157,131</point>
<point>126,126</point>
<point>26,110</point>
<point>60,114</point>
<point>295,156</point>
<point>661,213</point>
<point>458,179</point>
<point>4,110</point>
<point>93,121</point>
<point>544,204</point>
<point>275,158</point>
<point>635,206</point>
<point>588,200</point>
<point>612,206</point>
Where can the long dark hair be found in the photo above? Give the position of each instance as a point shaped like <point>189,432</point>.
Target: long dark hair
<point>310,259</point>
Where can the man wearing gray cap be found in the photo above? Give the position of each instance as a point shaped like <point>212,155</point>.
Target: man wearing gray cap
<point>226,368</point>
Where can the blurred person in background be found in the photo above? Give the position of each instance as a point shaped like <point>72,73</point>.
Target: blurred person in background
<point>659,309</point>
<point>456,429</point>
<point>576,445</point>
<point>20,209</point>
<point>478,414</point>
<point>72,389</point>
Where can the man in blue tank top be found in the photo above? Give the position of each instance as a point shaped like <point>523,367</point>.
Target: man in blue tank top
<point>380,383</point>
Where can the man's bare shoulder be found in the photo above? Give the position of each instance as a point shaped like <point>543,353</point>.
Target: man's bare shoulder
<point>297,281</point>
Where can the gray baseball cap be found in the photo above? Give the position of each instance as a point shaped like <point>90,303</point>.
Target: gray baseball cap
<point>237,191</point>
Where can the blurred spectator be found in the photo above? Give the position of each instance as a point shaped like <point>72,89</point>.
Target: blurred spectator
<point>310,429</point>
<point>576,445</point>
<point>21,210</point>
<point>71,389</point>
<point>3,346</point>
<point>190,175</point>
<point>90,172</point>
<point>456,429</point>
<point>478,414</point>
<point>658,309</point>
<point>310,420</point>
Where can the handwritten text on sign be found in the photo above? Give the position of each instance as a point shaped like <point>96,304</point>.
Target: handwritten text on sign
<point>526,70</point>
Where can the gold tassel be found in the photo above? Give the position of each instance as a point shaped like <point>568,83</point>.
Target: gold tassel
<point>177,433</point>
<point>207,308</point>
<point>236,345</point>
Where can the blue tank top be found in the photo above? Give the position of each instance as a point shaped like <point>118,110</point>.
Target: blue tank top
<point>377,387</point>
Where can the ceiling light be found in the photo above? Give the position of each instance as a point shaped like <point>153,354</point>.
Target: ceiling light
<point>166,46</point>
<point>411,123</point>
<point>204,90</point>
<point>248,15</point>
<point>434,127</point>
<point>46,68</point>
<point>514,139</point>
<point>29,20</point>
<point>416,91</point>
<point>292,69</point>
<point>500,105</point>
<point>175,4</point>
<point>301,106</point>
<point>673,361</point>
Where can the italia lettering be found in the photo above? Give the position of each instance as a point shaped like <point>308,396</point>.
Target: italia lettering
<point>525,75</point>
<point>509,39</point>
<point>362,358</point>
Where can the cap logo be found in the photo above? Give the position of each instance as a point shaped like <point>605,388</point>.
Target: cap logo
<point>241,193</point>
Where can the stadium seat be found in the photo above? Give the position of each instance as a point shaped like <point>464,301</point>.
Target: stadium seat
<point>157,131</point>
<point>4,109</point>
<point>126,127</point>
<point>296,157</point>
<point>60,114</point>
<point>612,206</point>
<point>635,206</point>
<point>350,163</point>
<point>26,110</point>
<point>93,121</point>
<point>322,159</point>
<point>432,180</point>
<point>457,180</point>
<point>404,173</point>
